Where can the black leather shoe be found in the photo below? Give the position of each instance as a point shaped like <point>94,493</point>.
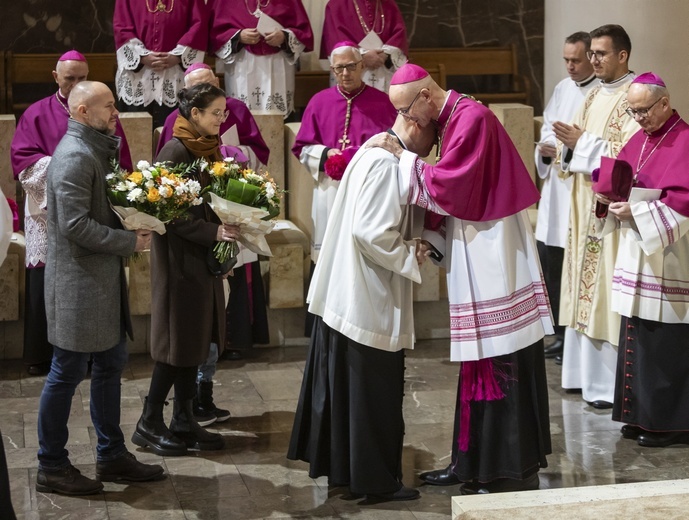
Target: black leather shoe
<point>661,440</point>
<point>127,469</point>
<point>631,432</point>
<point>40,369</point>
<point>440,477</point>
<point>232,355</point>
<point>600,404</point>
<point>403,493</point>
<point>558,360</point>
<point>555,349</point>
<point>66,481</point>
<point>501,485</point>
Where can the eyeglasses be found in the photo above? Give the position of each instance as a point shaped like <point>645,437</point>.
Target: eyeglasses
<point>404,112</point>
<point>641,112</point>
<point>339,69</point>
<point>600,55</point>
<point>218,114</point>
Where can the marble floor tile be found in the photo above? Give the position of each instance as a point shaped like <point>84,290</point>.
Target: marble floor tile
<point>251,478</point>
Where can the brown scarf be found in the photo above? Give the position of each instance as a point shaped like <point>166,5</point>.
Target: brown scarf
<point>207,147</point>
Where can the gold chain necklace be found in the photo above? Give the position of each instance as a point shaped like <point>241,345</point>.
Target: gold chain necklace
<point>160,7</point>
<point>61,103</point>
<point>640,164</point>
<point>363,23</point>
<point>259,7</point>
<point>344,140</point>
<point>441,135</point>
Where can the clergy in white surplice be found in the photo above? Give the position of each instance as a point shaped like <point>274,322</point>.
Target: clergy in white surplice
<point>259,42</point>
<point>600,128</point>
<point>650,289</point>
<point>556,192</point>
<point>349,425</point>
<point>476,196</point>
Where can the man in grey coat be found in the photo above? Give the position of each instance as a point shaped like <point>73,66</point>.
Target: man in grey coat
<point>86,299</point>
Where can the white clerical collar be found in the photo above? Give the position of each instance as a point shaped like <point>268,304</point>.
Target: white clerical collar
<point>399,139</point>
<point>618,81</point>
<point>586,82</point>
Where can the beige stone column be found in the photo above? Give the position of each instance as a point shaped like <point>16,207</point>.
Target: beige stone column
<point>7,182</point>
<point>138,128</point>
<point>518,121</point>
<point>272,127</point>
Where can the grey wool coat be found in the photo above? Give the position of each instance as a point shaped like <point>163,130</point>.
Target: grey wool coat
<point>188,302</point>
<point>85,289</point>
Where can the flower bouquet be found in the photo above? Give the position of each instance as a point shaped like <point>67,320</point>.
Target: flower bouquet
<point>243,197</point>
<point>152,195</point>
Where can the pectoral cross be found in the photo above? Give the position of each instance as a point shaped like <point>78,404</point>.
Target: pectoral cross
<point>344,141</point>
<point>258,93</point>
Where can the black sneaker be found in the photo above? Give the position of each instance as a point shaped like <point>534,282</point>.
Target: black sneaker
<point>66,481</point>
<point>203,416</point>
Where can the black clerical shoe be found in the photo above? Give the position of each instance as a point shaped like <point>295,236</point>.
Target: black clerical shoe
<point>558,360</point>
<point>555,349</point>
<point>39,369</point>
<point>403,493</point>
<point>661,440</point>
<point>631,432</point>
<point>440,477</point>
<point>599,404</point>
<point>501,485</point>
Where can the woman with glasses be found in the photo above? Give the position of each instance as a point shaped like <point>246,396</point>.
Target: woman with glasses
<point>188,303</point>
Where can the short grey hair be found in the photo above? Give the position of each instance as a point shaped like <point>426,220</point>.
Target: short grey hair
<point>343,49</point>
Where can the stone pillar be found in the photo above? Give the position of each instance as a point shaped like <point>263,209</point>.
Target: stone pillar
<point>12,289</point>
<point>300,185</point>
<point>518,121</point>
<point>272,127</point>
<point>7,182</point>
<point>138,128</point>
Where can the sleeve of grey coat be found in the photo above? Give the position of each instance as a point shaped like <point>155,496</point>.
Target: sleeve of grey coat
<point>74,192</point>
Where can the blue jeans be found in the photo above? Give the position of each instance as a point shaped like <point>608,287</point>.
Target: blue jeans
<point>207,370</point>
<point>68,369</point>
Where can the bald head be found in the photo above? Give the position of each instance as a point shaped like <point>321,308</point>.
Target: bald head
<point>92,104</point>
<point>419,101</point>
<point>199,76</point>
<point>68,73</point>
<point>416,138</point>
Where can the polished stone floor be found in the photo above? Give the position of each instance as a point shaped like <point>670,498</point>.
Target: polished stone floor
<point>251,478</point>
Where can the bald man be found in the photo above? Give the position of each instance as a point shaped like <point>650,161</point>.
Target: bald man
<point>38,132</point>
<point>86,299</point>
<point>249,142</point>
<point>477,228</point>
<point>349,424</point>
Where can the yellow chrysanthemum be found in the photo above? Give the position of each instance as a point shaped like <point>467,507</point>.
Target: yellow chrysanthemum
<point>218,169</point>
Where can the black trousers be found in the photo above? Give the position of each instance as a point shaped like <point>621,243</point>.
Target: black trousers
<point>246,316</point>
<point>552,258</point>
<point>6,510</point>
<point>37,350</point>
<point>349,424</point>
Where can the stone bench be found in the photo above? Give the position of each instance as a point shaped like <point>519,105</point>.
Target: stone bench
<point>659,500</point>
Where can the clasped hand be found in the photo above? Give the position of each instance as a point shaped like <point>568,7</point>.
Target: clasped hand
<point>160,61</point>
<point>228,233</point>
<point>252,37</point>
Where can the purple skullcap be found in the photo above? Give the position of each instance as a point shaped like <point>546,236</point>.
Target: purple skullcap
<point>72,56</point>
<point>648,78</point>
<point>196,66</point>
<point>408,73</point>
<point>345,43</point>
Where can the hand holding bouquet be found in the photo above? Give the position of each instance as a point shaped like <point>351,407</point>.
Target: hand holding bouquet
<point>152,195</point>
<point>243,197</point>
